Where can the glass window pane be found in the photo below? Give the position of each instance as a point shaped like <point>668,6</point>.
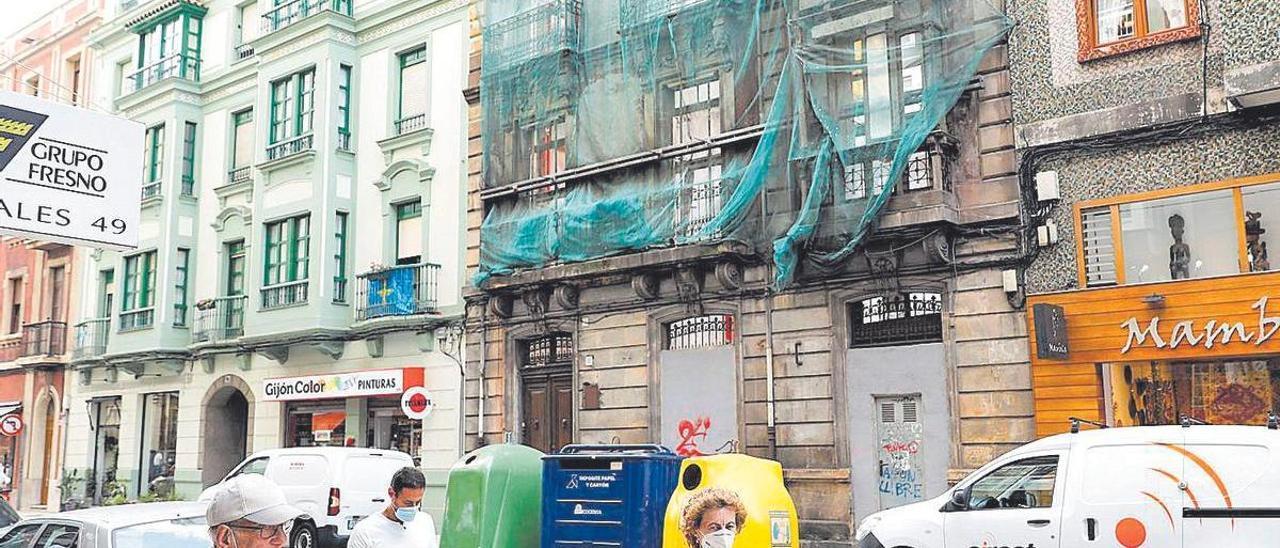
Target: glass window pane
<point>1114,20</point>
<point>413,90</point>
<point>159,442</point>
<point>879,92</point>
<point>1023,484</point>
<point>1261,224</point>
<point>1217,392</point>
<point>1177,238</point>
<point>243,151</point>
<point>1166,14</point>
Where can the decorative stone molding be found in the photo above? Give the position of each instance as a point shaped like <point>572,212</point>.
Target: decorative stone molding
<point>566,296</point>
<point>112,375</point>
<point>375,346</point>
<point>220,222</point>
<point>415,19</point>
<point>645,284</point>
<point>278,354</point>
<point>425,172</point>
<point>688,283</point>
<point>536,300</point>
<point>174,367</point>
<point>938,247</point>
<point>729,274</point>
<point>500,306</point>
<point>332,349</point>
<point>207,364</point>
<point>244,361</point>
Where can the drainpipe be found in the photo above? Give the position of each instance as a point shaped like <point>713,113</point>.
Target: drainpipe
<point>772,427</point>
<point>484,358</point>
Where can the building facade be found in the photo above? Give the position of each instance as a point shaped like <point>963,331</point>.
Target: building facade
<point>48,58</point>
<point>874,379</point>
<point>299,265</point>
<point>1151,130</point>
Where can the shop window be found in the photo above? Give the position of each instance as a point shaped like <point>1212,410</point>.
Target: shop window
<point>317,425</point>
<point>1261,225</point>
<point>104,414</point>
<point>554,349</point>
<point>159,446</point>
<point>1179,238</point>
<point>1216,392</point>
<point>1111,27</point>
<point>700,332</point>
<point>898,319</point>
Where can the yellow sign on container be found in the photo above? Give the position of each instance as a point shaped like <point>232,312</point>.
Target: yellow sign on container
<point>771,514</point>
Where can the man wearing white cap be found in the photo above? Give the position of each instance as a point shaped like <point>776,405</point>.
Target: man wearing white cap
<point>250,511</point>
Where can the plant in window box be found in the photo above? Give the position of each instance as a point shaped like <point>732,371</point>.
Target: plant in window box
<point>205,304</point>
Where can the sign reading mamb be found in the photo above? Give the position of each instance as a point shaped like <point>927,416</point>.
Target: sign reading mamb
<point>68,174</point>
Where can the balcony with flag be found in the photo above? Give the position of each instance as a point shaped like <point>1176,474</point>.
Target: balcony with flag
<point>403,290</point>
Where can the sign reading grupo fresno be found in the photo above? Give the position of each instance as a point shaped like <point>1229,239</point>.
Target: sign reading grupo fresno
<point>68,174</point>
<point>391,382</point>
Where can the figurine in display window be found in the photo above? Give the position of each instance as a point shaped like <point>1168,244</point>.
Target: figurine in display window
<point>1179,252</point>
<point>1253,231</point>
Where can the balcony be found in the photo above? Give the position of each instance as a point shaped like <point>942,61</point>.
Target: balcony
<point>397,291</point>
<point>548,29</point>
<point>48,338</point>
<point>220,319</point>
<point>344,141</point>
<point>640,11</point>
<point>239,175</point>
<point>410,124</point>
<point>151,190</point>
<point>243,51</point>
<point>292,12</point>
<point>141,318</point>
<point>91,338</point>
<point>285,149</point>
<point>285,294</point>
<point>173,66</point>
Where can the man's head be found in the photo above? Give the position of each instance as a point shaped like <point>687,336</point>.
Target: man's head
<point>407,486</point>
<point>250,511</point>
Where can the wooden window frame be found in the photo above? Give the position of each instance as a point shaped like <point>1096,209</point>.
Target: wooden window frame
<point>1236,186</point>
<point>1087,27</point>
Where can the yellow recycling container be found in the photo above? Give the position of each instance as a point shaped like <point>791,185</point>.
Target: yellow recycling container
<point>771,514</point>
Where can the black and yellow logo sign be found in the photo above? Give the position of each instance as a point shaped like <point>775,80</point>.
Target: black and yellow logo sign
<point>17,126</point>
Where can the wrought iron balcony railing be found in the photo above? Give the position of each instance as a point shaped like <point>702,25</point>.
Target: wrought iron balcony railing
<point>411,123</point>
<point>219,319</point>
<point>285,294</point>
<point>151,190</point>
<point>397,291</point>
<point>547,29</point>
<point>140,318</point>
<point>47,338</point>
<point>91,338</point>
<point>292,12</point>
<point>344,141</point>
<point>243,51</point>
<point>296,145</point>
<point>174,66</point>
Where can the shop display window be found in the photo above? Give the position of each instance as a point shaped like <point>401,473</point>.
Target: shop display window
<point>1179,238</point>
<point>159,444</point>
<point>1215,392</point>
<point>1261,224</point>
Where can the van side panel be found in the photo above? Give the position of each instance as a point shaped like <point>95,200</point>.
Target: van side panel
<point>364,481</point>
<point>1232,481</point>
<point>305,479</point>
<point>1124,495</point>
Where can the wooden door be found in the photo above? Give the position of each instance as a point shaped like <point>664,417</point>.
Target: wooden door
<point>547,407</point>
<point>561,387</point>
<point>46,478</point>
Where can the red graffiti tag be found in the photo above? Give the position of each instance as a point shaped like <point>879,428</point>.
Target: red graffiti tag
<point>692,432</point>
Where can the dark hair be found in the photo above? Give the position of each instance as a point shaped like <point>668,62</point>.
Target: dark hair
<point>408,478</point>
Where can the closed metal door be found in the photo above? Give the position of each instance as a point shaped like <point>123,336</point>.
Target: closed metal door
<point>900,440</point>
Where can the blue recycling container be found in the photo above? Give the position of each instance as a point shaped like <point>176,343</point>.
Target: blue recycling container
<point>607,495</point>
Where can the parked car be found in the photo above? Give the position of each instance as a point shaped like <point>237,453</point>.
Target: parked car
<point>1132,487</point>
<point>335,486</point>
<point>152,525</point>
<point>8,516</point>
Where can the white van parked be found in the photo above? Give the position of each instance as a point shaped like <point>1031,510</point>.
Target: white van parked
<point>335,486</point>
<point>1152,487</point>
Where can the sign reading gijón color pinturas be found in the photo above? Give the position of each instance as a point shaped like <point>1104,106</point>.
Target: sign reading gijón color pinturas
<point>68,174</point>
<point>339,385</point>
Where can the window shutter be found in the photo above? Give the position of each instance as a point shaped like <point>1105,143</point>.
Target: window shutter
<point>888,413</point>
<point>909,411</point>
<point>1099,248</point>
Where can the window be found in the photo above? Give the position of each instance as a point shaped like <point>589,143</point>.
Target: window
<point>898,319</point>
<point>553,349</point>
<point>249,22</point>
<point>169,47</point>
<point>153,166</point>
<point>409,232</point>
<point>123,70</point>
<point>1186,232</point>
<point>340,259</point>
<point>20,536</point>
<point>1028,483</point>
<point>700,332</point>
<point>242,144</point>
<point>106,292</point>
<point>16,290</point>
<point>182,279</point>
<point>413,91</point>
<point>1111,27</point>
<point>546,146</point>
<point>292,106</point>
<point>139,290</point>
<point>58,535</point>
<point>912,51</point>
<point>344,107</point>
<point>256,466</point>
<point>159,445</point>
<point>33,86</point>
<point>287,250</point>
<point>234,252</point>
<point>887,74</point>
<point>57,293</point>
<point>189,160</point>
<point>73,69</point>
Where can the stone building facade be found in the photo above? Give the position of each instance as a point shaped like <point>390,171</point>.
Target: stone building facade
<point>1155,128</point>
<point>612,350</point>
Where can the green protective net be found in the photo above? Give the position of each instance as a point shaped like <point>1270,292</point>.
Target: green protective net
<point>614,126</point>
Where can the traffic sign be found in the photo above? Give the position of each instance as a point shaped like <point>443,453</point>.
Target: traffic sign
<point>11,425</point>
<point>68,174</point>
<point>417,403</point>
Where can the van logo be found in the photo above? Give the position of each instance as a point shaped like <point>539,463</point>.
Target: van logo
<point>578,510</point>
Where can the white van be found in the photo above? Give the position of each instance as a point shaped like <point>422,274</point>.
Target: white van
<point>335,486</point>
<point>1153,487</point>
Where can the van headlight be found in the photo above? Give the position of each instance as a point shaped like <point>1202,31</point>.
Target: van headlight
<point>866,526</point>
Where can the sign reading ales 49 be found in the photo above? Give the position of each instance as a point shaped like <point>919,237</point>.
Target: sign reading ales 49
<point>68,174</point>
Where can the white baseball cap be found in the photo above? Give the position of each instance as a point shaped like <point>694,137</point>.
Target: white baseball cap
<point>250,497</point>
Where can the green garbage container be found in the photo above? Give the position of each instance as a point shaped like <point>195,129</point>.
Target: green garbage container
<point>494,499</point>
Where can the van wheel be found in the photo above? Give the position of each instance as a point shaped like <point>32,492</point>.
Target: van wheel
<point>304,535</point>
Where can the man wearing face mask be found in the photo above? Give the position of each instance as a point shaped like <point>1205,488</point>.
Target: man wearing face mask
<point>250,511</point>
<point>712,519</point>
<point>400,524</point>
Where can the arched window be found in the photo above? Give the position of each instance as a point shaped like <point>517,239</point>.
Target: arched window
<point>903,318</point>
<point>700,332</point>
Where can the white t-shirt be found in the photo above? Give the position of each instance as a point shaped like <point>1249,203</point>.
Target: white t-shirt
<point>377,531</point>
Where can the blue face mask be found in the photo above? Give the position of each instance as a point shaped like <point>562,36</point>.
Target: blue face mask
<point>406,515</point>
